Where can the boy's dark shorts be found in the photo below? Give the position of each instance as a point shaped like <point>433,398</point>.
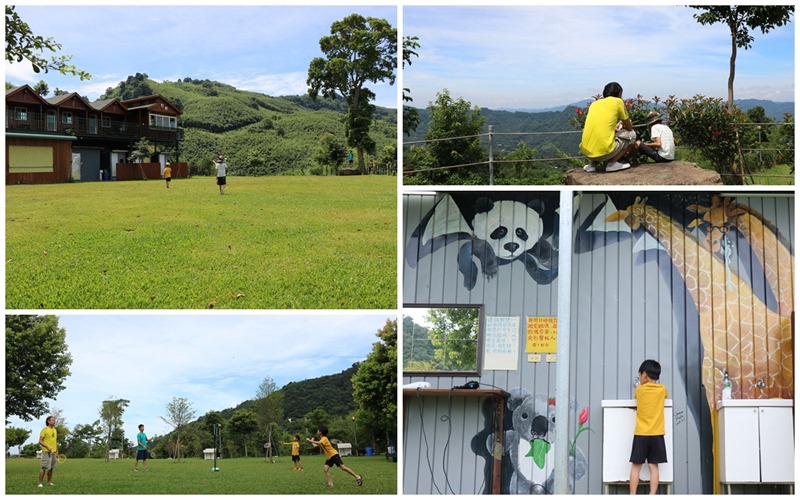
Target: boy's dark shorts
<point>141,454</point>
<point>221,181</point>
<point>334,460</point>
<point>295,458</point>
<point>651,448</point>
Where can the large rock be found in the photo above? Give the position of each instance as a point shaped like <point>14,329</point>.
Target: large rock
<point>674,173</point>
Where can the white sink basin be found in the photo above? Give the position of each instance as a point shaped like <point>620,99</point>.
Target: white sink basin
<point>744,403</point>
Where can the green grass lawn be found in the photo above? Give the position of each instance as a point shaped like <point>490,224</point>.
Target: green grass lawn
<point>252,476</point>
<point>273,242</point>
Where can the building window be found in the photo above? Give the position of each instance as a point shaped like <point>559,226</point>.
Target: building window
<point>440,339</point>
<point>163,121</point>
<point>66,118</point>
<point>106,122</point>
<point>21,114</point>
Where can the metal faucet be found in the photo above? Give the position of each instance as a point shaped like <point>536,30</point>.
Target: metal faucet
<point>760,384</point>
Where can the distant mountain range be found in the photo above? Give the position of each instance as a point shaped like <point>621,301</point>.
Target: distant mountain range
<point>557,119</point>
<point>774,110</point>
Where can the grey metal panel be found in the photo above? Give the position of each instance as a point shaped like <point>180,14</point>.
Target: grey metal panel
<point>630,303</point>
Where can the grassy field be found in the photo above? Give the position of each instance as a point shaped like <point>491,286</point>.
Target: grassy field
<point>268,243</point>
<point>252,476</point>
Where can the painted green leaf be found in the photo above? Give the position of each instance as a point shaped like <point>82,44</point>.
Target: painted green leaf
<point>539,449</point>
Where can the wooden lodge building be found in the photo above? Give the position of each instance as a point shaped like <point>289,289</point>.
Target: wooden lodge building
<point>66,138</point>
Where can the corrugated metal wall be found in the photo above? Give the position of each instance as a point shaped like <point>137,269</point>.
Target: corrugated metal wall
<point>630,302</point>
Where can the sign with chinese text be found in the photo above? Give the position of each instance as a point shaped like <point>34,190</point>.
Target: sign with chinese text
<point>501,346</point>
<point>542,334</point>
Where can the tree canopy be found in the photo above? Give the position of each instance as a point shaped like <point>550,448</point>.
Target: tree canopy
<point>37,363</point>
<point>742,20</point>
<point>22,44</point>
<point>359,50</point>
<point>375,383</point>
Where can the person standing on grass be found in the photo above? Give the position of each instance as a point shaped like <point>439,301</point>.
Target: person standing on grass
<point>221,168</point>
<point>296,453</point>
<point>332,456</point>
<point>48,439</point>
<point>167,174</point>
<point>141,449</point>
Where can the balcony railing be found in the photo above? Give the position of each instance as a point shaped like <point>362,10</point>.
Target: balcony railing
<point>38,122</point>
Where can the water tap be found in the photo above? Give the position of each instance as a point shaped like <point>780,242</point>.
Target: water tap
<point>760,384</point>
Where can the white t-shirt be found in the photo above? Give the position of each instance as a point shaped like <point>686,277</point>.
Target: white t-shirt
<point>667,149</point>
<point>221,166</point>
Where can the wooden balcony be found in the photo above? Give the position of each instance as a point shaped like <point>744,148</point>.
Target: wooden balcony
<point>43,123</point>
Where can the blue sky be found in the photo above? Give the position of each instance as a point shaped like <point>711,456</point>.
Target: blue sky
<point>508,57</point>
<point>216,361</point>
<point>263,49</point>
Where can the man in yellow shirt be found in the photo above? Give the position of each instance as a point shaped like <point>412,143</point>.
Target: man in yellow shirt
<point>648,436</point>
<point>49,443</point>
<point>332,456</point>
<point>608,134</point>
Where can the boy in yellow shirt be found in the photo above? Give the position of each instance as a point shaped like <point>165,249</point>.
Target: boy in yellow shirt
<point>296,452</point>
<point>648,437</point>
<point>168,174</point>
<point>332,456</point>
<point>608,134</point>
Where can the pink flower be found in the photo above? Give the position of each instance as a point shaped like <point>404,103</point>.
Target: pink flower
<point>584,416</point>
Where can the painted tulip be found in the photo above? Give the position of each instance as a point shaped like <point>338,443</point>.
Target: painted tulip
<point>584,416</point>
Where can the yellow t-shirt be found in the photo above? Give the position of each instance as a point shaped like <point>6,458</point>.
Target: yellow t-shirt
<point>49,435</point>
<point>327,447</point>
<point>167,172</point>
<point>295,448</point>
<point>650,409</point>
<point>601,122</point>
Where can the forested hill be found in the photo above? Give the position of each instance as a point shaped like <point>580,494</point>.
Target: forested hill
<point>332,393</point>
<point>507,122</point>
<point>259,134</point>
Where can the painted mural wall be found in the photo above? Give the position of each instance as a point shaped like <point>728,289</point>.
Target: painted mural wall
<point>701,282</point>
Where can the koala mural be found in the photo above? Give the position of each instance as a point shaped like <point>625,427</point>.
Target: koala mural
<point>498,230</point>
<point>529,454</point>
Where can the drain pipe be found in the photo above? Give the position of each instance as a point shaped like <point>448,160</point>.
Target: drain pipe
<point>561,469</point>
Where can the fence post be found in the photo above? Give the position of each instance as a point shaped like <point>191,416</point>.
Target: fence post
<point>491,157</point>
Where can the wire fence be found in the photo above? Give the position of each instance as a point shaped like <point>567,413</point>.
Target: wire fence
<point>490,162</point>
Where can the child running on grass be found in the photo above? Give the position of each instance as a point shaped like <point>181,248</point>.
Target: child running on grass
<point>332,456</point>
<point>296,453</point>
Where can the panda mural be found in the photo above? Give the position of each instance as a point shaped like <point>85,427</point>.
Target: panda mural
<point>497,230</point>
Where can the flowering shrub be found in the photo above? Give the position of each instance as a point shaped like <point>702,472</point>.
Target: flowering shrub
<point>705,123</point>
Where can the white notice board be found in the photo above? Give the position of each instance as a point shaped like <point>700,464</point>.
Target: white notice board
<point>501,343</point>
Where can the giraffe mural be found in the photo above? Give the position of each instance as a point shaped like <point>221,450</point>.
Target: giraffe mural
<point>739,333</point>
<point>778,262</point>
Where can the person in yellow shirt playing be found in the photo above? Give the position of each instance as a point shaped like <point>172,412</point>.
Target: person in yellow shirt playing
<point>168,174</point>
<point>296,453</point>
<point>49,443</point>
<point>648,436</point>
<point>332,456</point>
<point>608,134</point>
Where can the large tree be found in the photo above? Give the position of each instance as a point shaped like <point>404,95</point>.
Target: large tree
<point>111,411</point>
<point>269,406</point>
<point>244,423</point>
<point>375,384</point>
<point>83,439</point>
<point>179,413</point>
<point>741,21</point>
<point>22,44</point>
<point>359,50</point>
<point>37,363</point>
